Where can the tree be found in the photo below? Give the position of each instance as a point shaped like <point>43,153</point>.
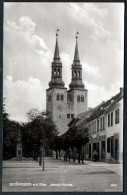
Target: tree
<point>10,133</point>
<point>78,137</point>
<point>56,144</point>
<point>34,131</point>
<point>75,137</point>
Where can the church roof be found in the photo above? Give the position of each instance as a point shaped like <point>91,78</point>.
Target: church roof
<point>56,53</point>
<point>76,55</point>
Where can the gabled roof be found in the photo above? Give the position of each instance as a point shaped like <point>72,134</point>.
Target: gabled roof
<point>81,118</point>
<point>105,106</point>
<point>115,101</point>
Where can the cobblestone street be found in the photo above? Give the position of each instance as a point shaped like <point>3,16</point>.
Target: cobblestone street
<point>61,176</point>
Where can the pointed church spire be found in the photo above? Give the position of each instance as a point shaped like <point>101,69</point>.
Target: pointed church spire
<point>56,53</point>
<point>76,82</point>
<point>76,55</point>
<point>56,77</point>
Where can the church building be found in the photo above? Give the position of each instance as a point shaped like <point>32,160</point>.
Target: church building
<point>63,104</point>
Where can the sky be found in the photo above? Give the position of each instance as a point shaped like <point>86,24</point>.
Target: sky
<point>29,43</point>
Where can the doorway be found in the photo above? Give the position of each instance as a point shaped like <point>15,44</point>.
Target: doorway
<point>103,150</point>
<point>89,150</point>
<point>116,149</point>
<point>98,149</point>
<point>112,148</point>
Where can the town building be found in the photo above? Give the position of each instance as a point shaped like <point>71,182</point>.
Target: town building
<point>62,104</point>
<point>105,129</point>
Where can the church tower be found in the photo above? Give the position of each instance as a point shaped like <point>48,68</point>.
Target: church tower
<point>77,94</point>
<point>56,94</point>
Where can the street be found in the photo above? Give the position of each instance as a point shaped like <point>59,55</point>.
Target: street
<point>61,176</point>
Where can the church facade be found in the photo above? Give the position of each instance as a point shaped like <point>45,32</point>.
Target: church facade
<point>62,104</point>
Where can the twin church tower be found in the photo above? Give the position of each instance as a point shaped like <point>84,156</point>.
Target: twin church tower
<point>63,105</point>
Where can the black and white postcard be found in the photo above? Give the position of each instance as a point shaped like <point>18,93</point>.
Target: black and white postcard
<point>63,67</point>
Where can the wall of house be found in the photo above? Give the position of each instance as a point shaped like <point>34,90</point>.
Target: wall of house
<point>116,132</point>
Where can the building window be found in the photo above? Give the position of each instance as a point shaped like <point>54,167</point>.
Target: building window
<point>72,115</point>
<point>78,98</point>
<point>117,116</point>
<point>94,127</point>
<point>103,122</point>
<point>54,71</point>
<point>75,74</point>
<point>62,97</point>
<point>98,125</point>
<point>90,129</point>
<point>108,145</point>
<point>58,97</point>
<point>108,120</point>
<point>58,72</point>
<point>68,116</point>
<point>82,98</point>
<point>112,119</point>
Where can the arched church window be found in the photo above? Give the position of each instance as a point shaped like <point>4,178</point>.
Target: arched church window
<point>78,98</point>
<point>75,74</point>
<point>62,97</point>
<point>82,98</point>
<point>58,72</point>
<point>58,97</point>
<point>54,71</point>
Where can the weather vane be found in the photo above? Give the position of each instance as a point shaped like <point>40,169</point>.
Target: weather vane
<point>57,32</point>
<point>77,35</point>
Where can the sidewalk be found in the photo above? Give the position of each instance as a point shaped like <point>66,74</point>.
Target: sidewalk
<point>116,168</point>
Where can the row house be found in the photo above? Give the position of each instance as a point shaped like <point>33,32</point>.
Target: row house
<point>105,128</point>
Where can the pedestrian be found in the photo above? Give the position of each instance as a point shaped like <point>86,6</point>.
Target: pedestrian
<point>95,155</point>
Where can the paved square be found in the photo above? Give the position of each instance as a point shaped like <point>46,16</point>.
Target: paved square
<point>61,176</point>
